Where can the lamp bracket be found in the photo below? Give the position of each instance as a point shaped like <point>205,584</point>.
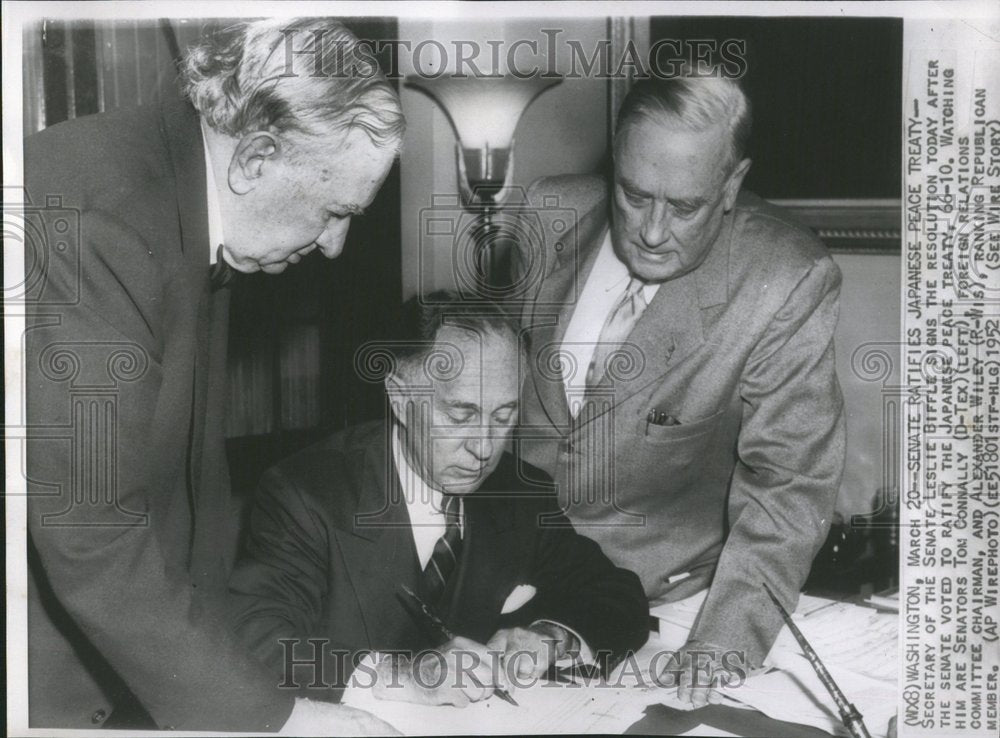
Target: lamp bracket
<point>469,197</point>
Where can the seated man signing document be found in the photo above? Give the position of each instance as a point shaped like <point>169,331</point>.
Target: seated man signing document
<point>431,502</point>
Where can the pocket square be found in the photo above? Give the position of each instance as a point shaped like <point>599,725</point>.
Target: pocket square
<point>519,597</point>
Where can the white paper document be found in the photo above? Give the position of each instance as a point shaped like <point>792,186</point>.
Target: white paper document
<point>858,645</point>
<point>795,694</point>
<point>542,708</point>
<point>860,639</point>
<point>852,638</point>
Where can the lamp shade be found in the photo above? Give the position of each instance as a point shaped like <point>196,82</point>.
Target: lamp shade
<point>483,110</point>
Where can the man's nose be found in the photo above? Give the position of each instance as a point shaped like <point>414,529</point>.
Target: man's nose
<point>331,240</point>
<point>482,446</point>
<point>656,225</point>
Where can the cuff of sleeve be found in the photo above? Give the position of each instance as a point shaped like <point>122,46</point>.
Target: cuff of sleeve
<point>582,654</point>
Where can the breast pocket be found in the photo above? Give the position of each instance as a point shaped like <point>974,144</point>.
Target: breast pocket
<point>687,431</point>
<point>678,458</point>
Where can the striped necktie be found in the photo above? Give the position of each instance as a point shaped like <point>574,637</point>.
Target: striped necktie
<point>446,552</point>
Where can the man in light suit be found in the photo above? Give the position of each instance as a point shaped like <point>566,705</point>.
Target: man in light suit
<point>129,515</point>
<point>682,390</point>
<point>434,502</point>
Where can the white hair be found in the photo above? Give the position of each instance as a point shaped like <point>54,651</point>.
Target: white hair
<point>695,102</point>
<point>310,75</point>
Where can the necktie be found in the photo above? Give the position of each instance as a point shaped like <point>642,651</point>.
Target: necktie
<point>446,552</point>
<point>220,273</point>
<point>617,327</point>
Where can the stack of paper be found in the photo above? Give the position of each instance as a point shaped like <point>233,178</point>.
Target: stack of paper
<point>852,638</point>
<point>795,694</point>
<point>858,645</point>
<point>677,618</point>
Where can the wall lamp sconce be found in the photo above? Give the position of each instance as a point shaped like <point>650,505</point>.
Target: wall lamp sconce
<point>484,111</point>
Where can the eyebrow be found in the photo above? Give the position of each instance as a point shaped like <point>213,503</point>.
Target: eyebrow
<point>629,185</point>
<point>512,405</point>
<point>694,202</point>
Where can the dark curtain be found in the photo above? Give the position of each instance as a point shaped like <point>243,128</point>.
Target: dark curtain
<point>827,90</point>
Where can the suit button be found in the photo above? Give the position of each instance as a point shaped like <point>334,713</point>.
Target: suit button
<point>98,717</point>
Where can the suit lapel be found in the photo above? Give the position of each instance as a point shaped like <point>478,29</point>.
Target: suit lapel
<point>476,593</point>
<point>181,129</point>
<point>668,330</point>
<point>380,553</point>
<point>673,325</point>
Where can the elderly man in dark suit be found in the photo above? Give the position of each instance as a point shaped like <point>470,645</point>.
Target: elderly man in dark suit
<point>683,392</point>
<point>433,502</point>
<point>126,347</point>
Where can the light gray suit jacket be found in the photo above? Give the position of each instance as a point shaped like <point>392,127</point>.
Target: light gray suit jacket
<point>740,352</point>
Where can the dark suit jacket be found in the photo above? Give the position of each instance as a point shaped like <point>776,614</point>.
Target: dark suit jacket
<point>740,351</point>
<point>330,543</point>
<point>129,508</point>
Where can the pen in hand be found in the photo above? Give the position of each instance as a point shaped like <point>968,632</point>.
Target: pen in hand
<point>424,615</point>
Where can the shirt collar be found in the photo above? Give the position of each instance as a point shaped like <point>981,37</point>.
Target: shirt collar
<point>215,236</point>
<point>614,274</point>
<point>416,492</point>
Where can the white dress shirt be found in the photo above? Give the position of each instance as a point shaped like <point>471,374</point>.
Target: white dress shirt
<point>601,292</point>
<point>424,504</point>
<point>215,236</point>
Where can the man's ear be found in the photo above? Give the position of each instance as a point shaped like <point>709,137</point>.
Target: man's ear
<point>396,390</point>
<point>249,158</point>
<point>734,183</point>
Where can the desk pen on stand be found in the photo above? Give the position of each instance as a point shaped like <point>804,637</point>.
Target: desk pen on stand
<point>849,714</point>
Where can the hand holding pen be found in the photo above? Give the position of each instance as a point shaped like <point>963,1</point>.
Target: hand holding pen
<point>457,673</point>
<point>472,659</point>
